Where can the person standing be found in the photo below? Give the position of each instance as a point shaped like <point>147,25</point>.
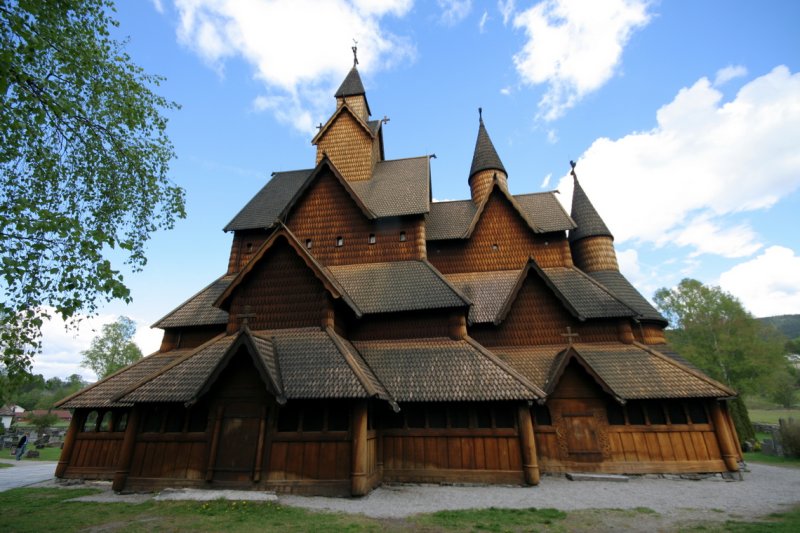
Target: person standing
<point>21,445</point>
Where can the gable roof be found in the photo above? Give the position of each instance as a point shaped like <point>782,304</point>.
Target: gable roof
<point>629,371</point>
<point>396,286</point>
<point>542,212</point>
<point>320,272</point>
<point>488,291</point>
<point>620,287</point>
<point>585,215</point>
<point>398,187</point>
<point>582,296</point>
<point>199,309</point>
<point>442,369</point>
<point>485,156</point>
<point>344,107</point>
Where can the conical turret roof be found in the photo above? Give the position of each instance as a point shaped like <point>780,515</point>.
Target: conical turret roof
<point>485,156</point>
<point>351,86</point>
<point>585,215</point>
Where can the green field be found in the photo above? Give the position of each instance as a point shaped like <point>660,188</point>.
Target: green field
<point>771,416</point>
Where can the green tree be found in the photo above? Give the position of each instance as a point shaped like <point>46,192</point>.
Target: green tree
<point>84,159</point>
<point>113,348</point>
<point>42,421</point>
<point>713,330</point>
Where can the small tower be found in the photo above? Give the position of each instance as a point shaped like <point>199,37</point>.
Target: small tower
<point>591,242</point>
<point>352,92</point>
<point>486,165</point>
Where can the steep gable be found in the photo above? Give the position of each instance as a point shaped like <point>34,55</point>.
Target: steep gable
<point>350,144</point>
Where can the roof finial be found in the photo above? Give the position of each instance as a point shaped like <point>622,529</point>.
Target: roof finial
<point>573,164</point>
<point>354,48</point>
<point>480,114</point>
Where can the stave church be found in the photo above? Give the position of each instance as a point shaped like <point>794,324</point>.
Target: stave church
<point>362,333</point>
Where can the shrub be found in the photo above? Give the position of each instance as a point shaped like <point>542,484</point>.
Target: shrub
<point>790,437</point>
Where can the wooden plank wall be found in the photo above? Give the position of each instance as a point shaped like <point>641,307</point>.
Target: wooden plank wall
<point>95,455</point>
<point>294,458</point>
<point>500,225</point>
<point>469,455</point>
<point>173,456</point>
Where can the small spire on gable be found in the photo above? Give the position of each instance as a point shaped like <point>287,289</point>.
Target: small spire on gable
<point>485,156</point>
<point>352,92</point>
<point>584,214</point>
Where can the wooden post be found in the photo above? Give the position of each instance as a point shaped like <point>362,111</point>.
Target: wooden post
<point>212,455</point>
<point>726,444</point>
<point>530,463</point>
<point>69,442</point>
<point>260,448</point>
<point>358,475</point>
<point>732,427</point>
<point>126,453</point>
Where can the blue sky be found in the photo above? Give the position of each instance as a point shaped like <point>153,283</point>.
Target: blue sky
<point>684,118</point>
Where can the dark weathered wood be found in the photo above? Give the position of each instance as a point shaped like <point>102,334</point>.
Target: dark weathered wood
<point>212,455</point>
<point>126,453</point>
<point>260,448</point>
<point>530,464</point>
<point>69,443</point>
<point>359,463</point>
<point>726,443</point>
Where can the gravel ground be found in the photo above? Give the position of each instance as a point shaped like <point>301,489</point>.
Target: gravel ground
<point>765,489</point>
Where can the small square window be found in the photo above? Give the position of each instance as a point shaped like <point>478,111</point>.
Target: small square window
<point>402,236</point>
<point>339,241</point>
<point>372,238</point>
<point>249,247</point>
<point>308,244</point>
<point>495,247</point>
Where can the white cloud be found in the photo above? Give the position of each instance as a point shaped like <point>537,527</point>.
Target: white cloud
<point>482,23</point>
<point>574,47</point>
<point>158,5</point>
<point>454,11</point>
<point>299,58</point>
<point>62,347</point>
<point>731,72</point>
<point>546,181</point>
<point>704,162</point>
<point>506,8</point>
<point>552,136</point>
<point>768,284</point>
<point>505,91</point>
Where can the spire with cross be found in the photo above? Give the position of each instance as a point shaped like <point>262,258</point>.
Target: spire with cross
<point>354,48</point>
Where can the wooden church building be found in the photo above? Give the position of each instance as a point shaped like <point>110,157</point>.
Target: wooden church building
<point>363,333</point>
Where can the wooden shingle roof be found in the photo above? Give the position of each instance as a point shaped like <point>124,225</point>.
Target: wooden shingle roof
<point>542,212</point>
<point>199,310</point>
<point>585,216</point>
<point>352,85</point>
<point>620,287</point>
<point>582,295</point>
<point>104,392</point>
<point>442,369</point>
<point>485,156</point>
<point>630,371</point>
<point>267,206</point>
<point>396,286</point>
<point>488,291</point>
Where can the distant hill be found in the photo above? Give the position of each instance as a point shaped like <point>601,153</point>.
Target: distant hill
<point>789,325</point>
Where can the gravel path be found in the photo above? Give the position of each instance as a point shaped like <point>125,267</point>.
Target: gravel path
<point>766,489</point>
<point>25,472</point>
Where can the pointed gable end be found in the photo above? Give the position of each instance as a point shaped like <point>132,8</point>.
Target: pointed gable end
<point>283,286</point>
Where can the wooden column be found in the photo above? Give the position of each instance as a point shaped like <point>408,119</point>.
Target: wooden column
<point>530,463</point>
<point>262,426</point>
<point>358,475</point>
<point>69,442</point>
<point>126,453</point>
<point>726,443</point>
<point>212,454</point>
<point>732,426</point>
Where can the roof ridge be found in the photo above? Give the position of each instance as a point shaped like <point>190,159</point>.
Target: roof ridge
<point>445,280</point>
<point>685,368</point>
<point>505,367</point>
<point>572,352</point>
<point>339,111</point>
<point>604,289</point>
<point>357,368</point>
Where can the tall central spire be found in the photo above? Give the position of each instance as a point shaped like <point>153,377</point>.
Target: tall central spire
<point>486,164</point>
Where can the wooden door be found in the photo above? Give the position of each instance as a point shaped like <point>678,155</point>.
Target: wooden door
<point>238,442</point>
<point>581,436</point>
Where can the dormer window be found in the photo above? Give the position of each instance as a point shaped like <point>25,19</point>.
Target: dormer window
<point>372,238</point>
<point>308,244</point>
<point>339,241</point>
<point>402,236</point>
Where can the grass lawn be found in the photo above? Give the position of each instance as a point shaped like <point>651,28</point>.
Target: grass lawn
<point>6,465</point>
<point>35,510</point>
<point>758,457</point>
<point>45,454</point>
<point>771,416</point>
